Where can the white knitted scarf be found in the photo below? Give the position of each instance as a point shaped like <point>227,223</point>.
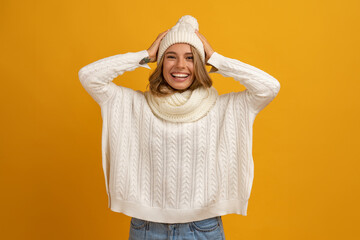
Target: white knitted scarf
<point>188,106</point>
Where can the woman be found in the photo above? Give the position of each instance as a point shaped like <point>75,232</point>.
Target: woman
<point>179,156</point>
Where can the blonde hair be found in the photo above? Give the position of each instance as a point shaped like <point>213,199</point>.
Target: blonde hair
<point>159,87</point>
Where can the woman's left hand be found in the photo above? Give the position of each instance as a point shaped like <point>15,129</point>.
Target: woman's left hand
<point>208,49</point>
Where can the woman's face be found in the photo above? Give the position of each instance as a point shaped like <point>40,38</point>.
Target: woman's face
<point>178,66</point>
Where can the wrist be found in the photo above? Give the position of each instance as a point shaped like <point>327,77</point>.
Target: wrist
<point>145,60</point>
<point>152,55</point>
<point>211,53</point>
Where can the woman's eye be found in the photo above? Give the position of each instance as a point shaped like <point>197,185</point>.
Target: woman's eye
<point>190,58</point>
<point>170,57</point>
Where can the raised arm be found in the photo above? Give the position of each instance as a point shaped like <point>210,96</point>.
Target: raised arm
<point>261,87</point>
<point>97,77</point>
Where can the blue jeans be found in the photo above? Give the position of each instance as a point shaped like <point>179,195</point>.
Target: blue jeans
<point>207,229</point>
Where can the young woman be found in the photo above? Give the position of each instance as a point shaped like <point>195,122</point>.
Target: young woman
<point>178,156</point>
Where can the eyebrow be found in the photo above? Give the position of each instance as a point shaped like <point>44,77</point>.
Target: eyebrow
<point>175,53</point>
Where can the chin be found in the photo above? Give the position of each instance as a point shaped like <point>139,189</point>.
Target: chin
<point>180,86</point>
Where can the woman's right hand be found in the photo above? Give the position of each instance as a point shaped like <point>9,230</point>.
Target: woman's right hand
<point>153,49</point>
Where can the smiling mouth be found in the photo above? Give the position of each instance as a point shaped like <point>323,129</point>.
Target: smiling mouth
<point>180,76</point>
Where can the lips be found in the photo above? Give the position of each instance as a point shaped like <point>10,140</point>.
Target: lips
<point>180,77</point>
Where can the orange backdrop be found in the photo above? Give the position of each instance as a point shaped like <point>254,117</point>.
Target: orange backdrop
<point>306,182</point>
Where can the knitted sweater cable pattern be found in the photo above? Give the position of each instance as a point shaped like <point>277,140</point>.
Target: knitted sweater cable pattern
<point>177,172</point>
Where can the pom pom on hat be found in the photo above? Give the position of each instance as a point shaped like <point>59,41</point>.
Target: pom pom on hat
<point>183,32</point>
<point>187,19</point>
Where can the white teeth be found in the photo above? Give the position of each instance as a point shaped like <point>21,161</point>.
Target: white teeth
<point>180,75</point>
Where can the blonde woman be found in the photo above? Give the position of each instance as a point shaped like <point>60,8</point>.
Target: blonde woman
<point>178,156</point>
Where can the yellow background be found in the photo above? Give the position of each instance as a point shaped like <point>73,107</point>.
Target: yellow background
<point>306,142</point>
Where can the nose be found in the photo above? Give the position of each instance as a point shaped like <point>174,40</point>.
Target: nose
<point>181,63</point>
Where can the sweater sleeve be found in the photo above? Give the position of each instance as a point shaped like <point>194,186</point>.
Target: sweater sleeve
<point>261,88</point>
<point>97,77</point>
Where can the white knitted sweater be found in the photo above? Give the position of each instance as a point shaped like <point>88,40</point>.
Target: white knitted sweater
<point>169,172</point>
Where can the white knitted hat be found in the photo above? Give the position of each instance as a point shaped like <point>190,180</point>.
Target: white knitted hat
<point>182,32</point>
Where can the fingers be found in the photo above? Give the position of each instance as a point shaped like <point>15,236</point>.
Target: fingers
<point>198,34</point>
<point>202,38</point>
<point>162,35</point>
<point>155,46</point>
<point>208,49</point>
